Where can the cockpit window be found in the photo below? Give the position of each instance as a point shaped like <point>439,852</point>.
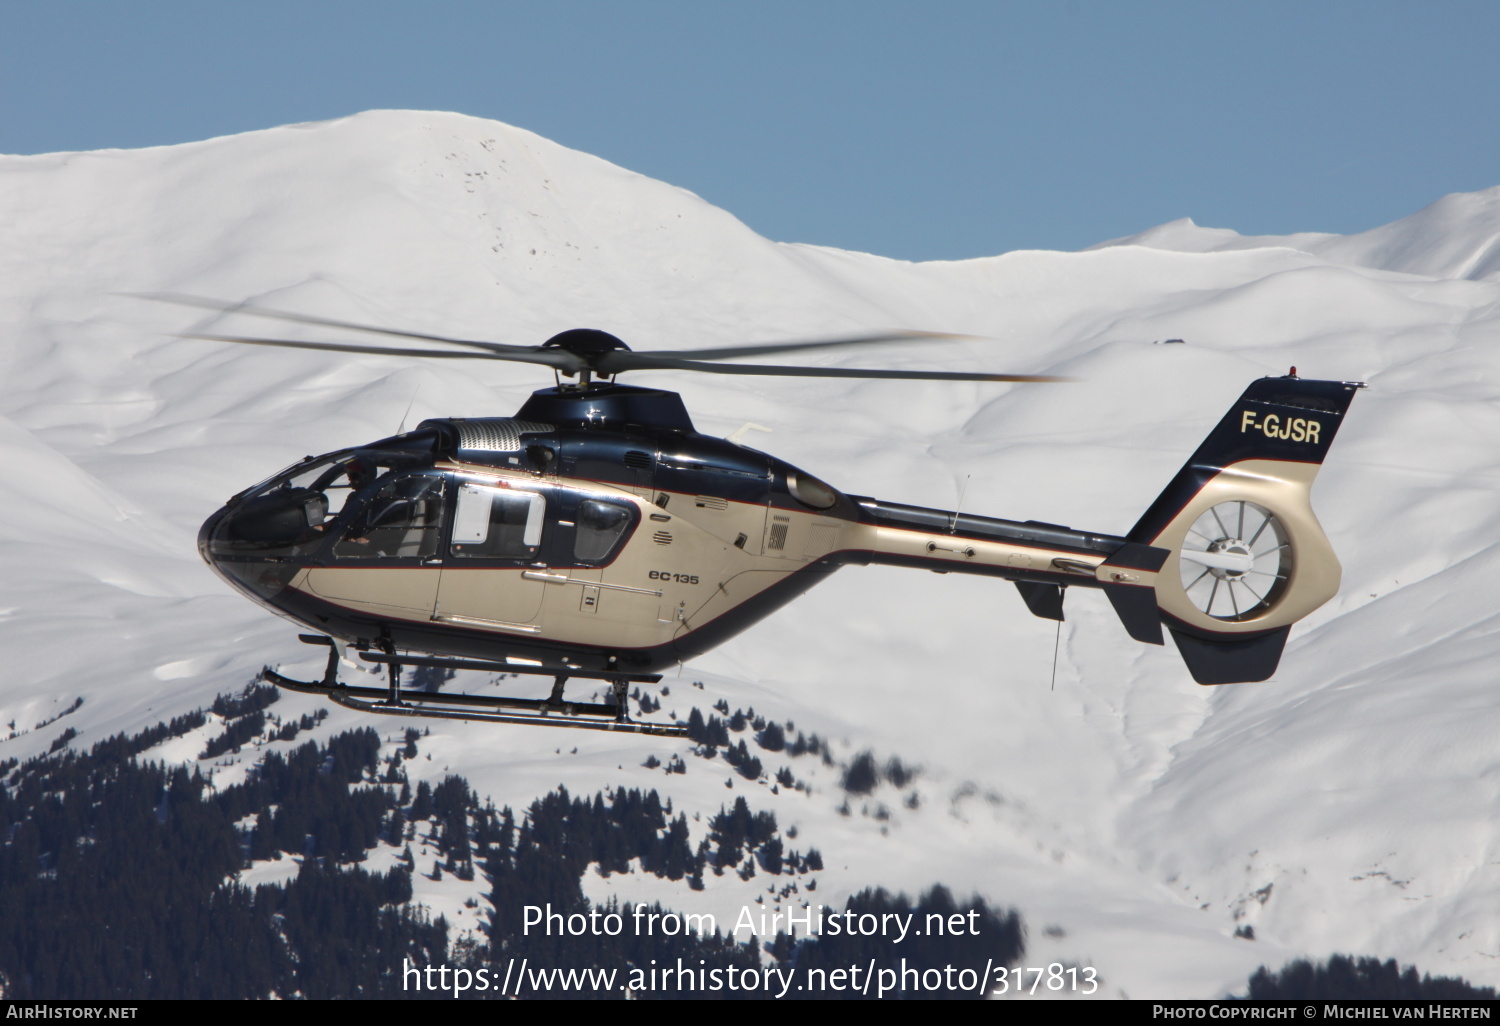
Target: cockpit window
<point>600,526</point>
<point>402,519</point>
<point>286,516</point>
<point>336,481</point>
<point>293,515</point>
<point>498,523</point>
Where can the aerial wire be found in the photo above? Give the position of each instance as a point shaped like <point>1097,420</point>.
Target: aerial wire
<point>1056,643</point>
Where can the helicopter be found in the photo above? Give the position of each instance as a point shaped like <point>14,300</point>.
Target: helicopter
<point>596,534</point>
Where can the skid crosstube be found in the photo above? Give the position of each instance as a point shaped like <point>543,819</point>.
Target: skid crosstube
<point>553,711</point>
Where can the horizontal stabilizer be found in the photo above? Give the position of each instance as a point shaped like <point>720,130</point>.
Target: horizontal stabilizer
<point>1132,592</point>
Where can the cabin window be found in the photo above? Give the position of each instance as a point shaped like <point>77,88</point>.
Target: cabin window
<point>600,527</point>
<point>498,523</point>
<point>402,519</point>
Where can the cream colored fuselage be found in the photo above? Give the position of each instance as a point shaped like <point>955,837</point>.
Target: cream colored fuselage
<point>689,560</point>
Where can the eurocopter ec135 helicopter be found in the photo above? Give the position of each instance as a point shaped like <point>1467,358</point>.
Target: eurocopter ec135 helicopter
<point>596,534</point>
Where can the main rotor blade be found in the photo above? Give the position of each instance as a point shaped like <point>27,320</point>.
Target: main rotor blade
<point>607,363</point>
<point>794,345</point>
<point>613,363</point>
<point>250,309</point>
<point>556,358</point>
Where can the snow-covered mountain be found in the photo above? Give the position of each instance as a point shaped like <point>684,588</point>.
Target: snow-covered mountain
<point>1136,819</point>
<point>1458,236</point>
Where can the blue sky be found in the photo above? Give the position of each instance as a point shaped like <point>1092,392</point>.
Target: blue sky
<point>927,130</point>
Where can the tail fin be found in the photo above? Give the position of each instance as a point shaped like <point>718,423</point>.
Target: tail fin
<point>1246,557</point>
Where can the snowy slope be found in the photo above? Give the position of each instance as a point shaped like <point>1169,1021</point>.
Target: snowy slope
<point>1135,818</point>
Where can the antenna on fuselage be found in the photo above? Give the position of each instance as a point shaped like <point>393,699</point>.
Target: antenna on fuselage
<point>953,524</point>
<point>738,438</point>
<point>402,429</point>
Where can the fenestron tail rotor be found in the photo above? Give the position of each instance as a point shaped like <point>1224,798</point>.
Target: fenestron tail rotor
<point>1236,561</point>
<point>585,353</point>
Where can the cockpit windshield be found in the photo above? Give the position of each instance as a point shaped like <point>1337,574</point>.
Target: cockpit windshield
<point>289,515</point>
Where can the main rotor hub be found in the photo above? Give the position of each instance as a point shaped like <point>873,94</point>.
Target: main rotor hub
<point>587,343</point>
<point>588,346</point>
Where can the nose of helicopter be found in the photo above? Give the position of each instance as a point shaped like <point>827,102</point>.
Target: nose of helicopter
<point>204,533</point>
<point>261,578</point>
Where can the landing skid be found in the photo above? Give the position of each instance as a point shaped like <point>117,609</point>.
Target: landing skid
<point>552,711</point>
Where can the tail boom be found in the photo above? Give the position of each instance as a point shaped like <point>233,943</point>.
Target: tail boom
<point>1228,557</point>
